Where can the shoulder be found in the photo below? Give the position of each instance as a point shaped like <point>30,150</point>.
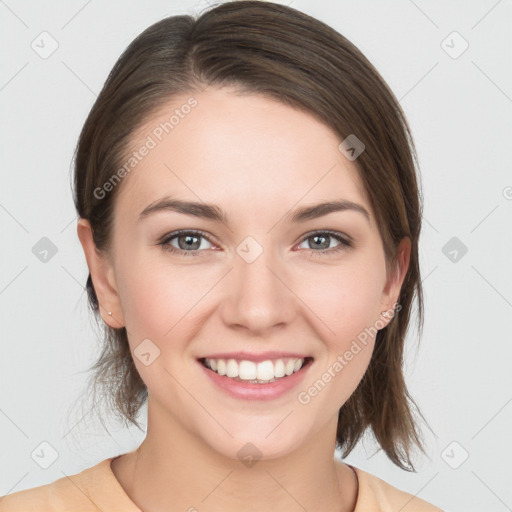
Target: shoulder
<point>91,490</point>
<point>66,493</point>
<point>376,495</point>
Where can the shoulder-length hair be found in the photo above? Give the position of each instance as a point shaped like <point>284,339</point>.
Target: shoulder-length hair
<point>277,51</point>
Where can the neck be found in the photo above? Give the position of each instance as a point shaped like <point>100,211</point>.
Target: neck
<point>173,470</point>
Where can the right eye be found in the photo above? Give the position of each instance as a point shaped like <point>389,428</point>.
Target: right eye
<point>188,242</point>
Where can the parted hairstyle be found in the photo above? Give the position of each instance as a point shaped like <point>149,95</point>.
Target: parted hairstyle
<point>279,52</point>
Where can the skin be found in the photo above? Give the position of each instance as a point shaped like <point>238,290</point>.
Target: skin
<point>258,160</point>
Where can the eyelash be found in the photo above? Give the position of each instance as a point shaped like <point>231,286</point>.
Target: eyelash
<point>345,243</point>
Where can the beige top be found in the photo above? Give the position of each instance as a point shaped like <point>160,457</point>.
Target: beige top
<point>96,489</point>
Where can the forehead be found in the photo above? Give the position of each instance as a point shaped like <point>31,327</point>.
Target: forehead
<point>247,150</point>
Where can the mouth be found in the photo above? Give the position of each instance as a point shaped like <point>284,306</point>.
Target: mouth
<point>251,372</point>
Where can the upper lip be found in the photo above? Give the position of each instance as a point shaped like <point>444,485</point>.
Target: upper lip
<point>262,356</point>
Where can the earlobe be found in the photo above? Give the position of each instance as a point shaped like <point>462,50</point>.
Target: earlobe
<point>103,277</point>
<point>394,283</point>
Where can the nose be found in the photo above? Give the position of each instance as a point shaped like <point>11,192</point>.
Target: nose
<point>258,295</point>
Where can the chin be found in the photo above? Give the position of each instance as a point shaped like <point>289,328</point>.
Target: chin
<point>250,448</point>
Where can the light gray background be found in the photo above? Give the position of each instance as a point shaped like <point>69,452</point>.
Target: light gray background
<point>459,110</point>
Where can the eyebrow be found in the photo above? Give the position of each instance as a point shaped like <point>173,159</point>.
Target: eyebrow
<point>213,212</point>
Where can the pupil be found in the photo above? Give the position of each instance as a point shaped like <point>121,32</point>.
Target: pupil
<point>189,242</point>
<point>324,245</point>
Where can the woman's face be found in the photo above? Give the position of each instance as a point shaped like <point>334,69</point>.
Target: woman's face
<point>263,284</point>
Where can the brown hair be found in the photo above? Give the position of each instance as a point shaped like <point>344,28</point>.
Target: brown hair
<point>274,50</point>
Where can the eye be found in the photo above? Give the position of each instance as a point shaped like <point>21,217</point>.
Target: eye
<point>322,240</point>
<point>190,242</point>
<point>187,243</point>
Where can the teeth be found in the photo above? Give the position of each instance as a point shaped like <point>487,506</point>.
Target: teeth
<point>265,371</point>
<point>231,368</point>
<point>247,370</point>
<point>279,368</point>
<point>221,367</point>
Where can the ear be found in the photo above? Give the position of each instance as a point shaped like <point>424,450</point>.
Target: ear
<point>394,282</point>
<point>102,275</point>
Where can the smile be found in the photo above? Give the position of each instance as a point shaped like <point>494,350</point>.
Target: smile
<point>257,373</point>
<point>266,379</point>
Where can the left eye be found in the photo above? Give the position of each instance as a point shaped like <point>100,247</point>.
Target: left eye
<point>322,240</point>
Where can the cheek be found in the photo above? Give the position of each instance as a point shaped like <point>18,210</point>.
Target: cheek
<point>161,303</point>
<point>161,300</point>
<point>144,300</point>
<point>344,302</point>
<point>345,298</point>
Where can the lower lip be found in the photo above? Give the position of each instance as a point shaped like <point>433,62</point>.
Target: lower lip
<point>252,391</point>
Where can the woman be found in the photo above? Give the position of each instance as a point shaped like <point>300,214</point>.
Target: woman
<point>250,214</point>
